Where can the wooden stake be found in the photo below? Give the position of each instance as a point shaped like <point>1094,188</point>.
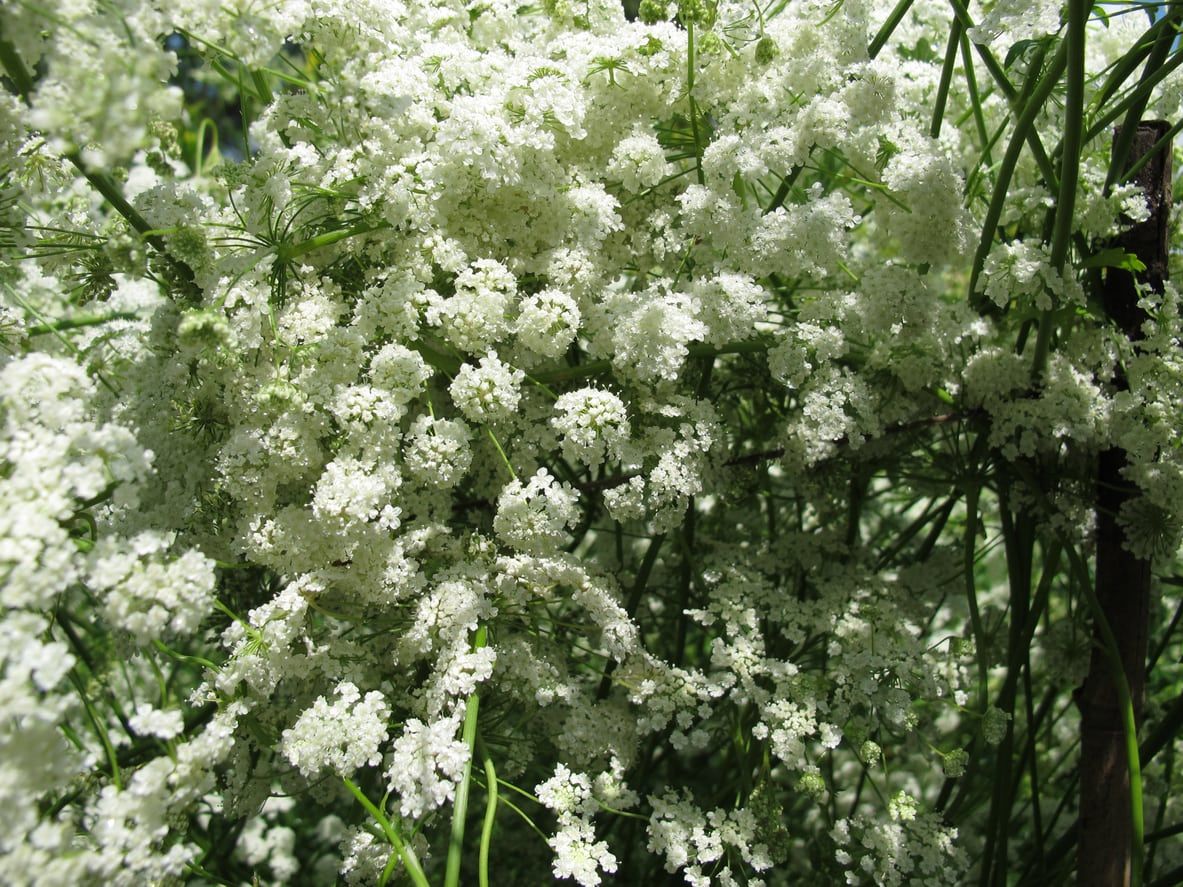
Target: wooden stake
<point>1104,852</point>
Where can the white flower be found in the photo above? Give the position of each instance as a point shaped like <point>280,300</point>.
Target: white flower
<point>652,337</point>
<point>476,317</point>
<point>566,793</point>
<point>147,595</point>
<point>639,162</point>
<point>437,451</point>
<point>400,372</point>
<point>534,516</point>
<point>1017,20</point>
<point>341,736</point>
<point>426,762</point>
<point>593,425</point>
<point>578,855</point>
<point>488,392</point>
<point>548,322</point>
<point>148,721</point>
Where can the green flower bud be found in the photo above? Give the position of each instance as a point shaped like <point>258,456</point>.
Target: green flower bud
<point>652,11</point>
<point>766,50</point>
<point>955,762</point>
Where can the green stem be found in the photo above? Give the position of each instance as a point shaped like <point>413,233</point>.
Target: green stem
<point>1078,14</point>
<point>976,102</point>
<point>460,808</point>
<point>410,861</point>
<point>1012,95</point>
<point>79,321</point>
<point>492,797</point>
<point>693,105</point>
<point>1162,143</point>
<point>287,253</point>
<point>938,109</point>
<point>1136,95</point>
<point>504,458</point>
<point>100,730</point>
<point>884,34</point>
<point>975,615</point>
<point>1023,126</point>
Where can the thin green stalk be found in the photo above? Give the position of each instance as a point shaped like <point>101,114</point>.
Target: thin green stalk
<point>996,70</point>
<point>490,818</point>
<point>199,151</point>
<point>1011,94</point>
<point>19,75</point>
<point>1033,765</point>
<point>100,730</point>
<point>938,109</point>
<point>1023,126</point>
<point>16,70</point>
<point>1125,136</point>
<point>404,851</point>
<point>1144,88</point>
<point>287,253</point>
<point>1078,15</point>
<point>1124,67</point>
<point>504,458</point>
<point>460,807</point>
<point>783,190</point>
<point>1160,832</point>
<point>685,583</point>
<point>522,813</point>
<point>79,321</point>
<point>693,105</point>
<point>975,614</point>
<point>975,99</point>
<point>51,329</point>
<point>1160,145</point>
<point>888,28</point>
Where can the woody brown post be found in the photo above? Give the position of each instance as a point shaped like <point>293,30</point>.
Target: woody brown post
<point>1122,580</point>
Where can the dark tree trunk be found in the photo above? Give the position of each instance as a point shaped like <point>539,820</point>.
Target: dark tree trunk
<point>1122,580</point>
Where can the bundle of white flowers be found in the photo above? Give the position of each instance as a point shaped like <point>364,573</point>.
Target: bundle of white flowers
<point>474,442</point>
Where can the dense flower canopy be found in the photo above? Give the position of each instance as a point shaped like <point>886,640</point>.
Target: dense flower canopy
<point>400,398</point>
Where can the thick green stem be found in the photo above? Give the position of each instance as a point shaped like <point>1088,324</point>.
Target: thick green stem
<point>938,108</point>
<point>78,322</point>
<point>884,34</point>
<point>460,807</point>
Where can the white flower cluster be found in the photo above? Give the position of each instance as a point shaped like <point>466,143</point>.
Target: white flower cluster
<point>698,842</point>
<point>695,282</point>
<point>578,855</point>
<point>913,846</point>
<point>593,425</point>
<point>487,392</point>
<point>342,736</point>
<point>534,516</point>
<point>145,595</point>
<point>426,762</point>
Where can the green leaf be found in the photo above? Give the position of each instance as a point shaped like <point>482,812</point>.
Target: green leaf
<point>1114,257</point>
